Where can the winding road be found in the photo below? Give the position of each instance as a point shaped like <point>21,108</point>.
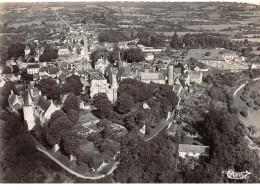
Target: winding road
<point>75,173</point>
<point>169,120</point>
<point>242,85</point>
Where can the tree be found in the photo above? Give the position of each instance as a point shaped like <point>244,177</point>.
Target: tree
<point>57,129</point>
<point>133,55</point>
<point>244,113</point>
<point>103,105</point>
<point>72,84</point>
<point>124,103</point>
<point>16,69</point>
<point>8,87</point>
<point>114,55</point>
<point>16,50</point>
<point>55,115</point>
<point>50,88</point>
<point>71,102</point>
<point>48,54</point>
<point>73,115</point>
<point>70,143</point>
<point>7,70</point>
<point>175,43</point>
<point>207,53</point>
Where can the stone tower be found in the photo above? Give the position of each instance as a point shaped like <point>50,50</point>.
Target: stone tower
<point>170,75</point>
<point>85,48</point>
<point>28,111</point>
<point>114,88</point>
<point>119,61</point>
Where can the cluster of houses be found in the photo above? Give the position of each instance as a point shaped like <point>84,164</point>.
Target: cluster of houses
<point>219,58</point>
<point>103,77</point>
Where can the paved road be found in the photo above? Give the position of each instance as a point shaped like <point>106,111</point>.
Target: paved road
<point>75,173</point>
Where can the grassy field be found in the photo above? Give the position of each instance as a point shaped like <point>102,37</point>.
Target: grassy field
<point>212,27</point>
<point>253,118</point>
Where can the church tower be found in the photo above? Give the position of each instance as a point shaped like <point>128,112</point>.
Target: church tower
<point>170,75</point>
<point>85,48</point>
<point>28,112</point>
<point>114,87</point>
<point>119,61</point>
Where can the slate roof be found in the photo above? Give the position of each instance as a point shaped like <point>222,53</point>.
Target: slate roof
<point>42,69</point>
<point>152,76</point>
<point>94,75</point>
<point>113,70</point>
<point>33,66</point>
<point>193,148</point>
<point>28,99</point>
<point>124,72</point>
<point>11,99</point>
<point>62,76</point>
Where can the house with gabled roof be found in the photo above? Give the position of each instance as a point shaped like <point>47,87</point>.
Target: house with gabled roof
<point>101,64</point>
<point>195,151</point>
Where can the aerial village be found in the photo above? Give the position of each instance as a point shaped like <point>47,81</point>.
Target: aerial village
<point>71,81</point>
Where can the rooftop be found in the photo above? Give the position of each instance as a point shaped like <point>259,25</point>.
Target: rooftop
<point>33,66</point>
<point>193,148</point>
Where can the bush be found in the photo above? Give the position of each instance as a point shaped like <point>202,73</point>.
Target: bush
<point>207,53</point>
<point>244,98</point>
<point>253,129</point>
<point>250,104</point>
<point>257,102</point>
<point>244,113</point>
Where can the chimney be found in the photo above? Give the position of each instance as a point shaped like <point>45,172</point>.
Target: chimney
<point>40,93</point>
<point>51,101</point>
<point>12,92</point>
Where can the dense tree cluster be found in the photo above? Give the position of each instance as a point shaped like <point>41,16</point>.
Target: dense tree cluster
<point>72,84</point>
<point>129,55</point>
<point>201,40</point>
<point>49,54</point>
<point>21,162</point>
<point>71,103</point>
<point>103,105</point>
<point>142,162</point>
<point>133,55</point>
<point>6,91</point>
<point>224,134</point>
<point>124,103</point>
<point>50,88</point>
<point>6,70</point>
<point>57,129</point>
<point>16,50</point>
